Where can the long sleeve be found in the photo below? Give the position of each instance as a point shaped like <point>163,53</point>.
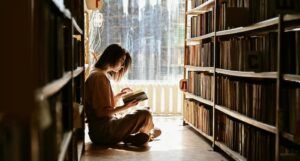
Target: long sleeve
<point>99,95</point>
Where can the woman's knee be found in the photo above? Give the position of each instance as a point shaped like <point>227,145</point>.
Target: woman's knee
<point>144,113</point>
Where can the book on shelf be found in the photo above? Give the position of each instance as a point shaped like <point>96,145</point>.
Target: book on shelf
<point>200,55</point>
<point>245,139</point>
<point>248,53</point>
<point>138,95</point>
<point>202,24</point>
<point>291,42</point>
<point>199,115</point>
<point>255,99</point>
<point>200,84</point>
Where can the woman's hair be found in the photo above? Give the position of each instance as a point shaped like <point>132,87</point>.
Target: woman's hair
<point>110,57</point>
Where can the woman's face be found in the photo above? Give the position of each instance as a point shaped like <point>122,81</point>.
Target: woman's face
<point>119,65</point>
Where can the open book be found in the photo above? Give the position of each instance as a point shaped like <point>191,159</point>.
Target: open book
<point>136,95</point>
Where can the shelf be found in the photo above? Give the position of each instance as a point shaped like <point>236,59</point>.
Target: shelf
<point>205,7</point>
<point>80,109</point>
<point>200,69</point>
<point>231,153</point>
<point>61,7</point>
<point>64,146</point>
<point>199,38</point>
<point>79,149</point>
<point>291,17</point>
<point>78,29</point>
<point>265,75</point>
<point>201,132</point>
<point>291,78</point>
<point>53,87</point>
<point>291,22</point>
<point>205,101</point>
<point>289,157</point>
<point>289,137</point>
<point>256,26</point>
<point>77,37</point>
<point>246,119</point>
<point>77,71</point>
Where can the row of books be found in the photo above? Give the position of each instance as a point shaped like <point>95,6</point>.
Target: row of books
<point>255,99</point>
<point>245,12</point>
<point>249,53</point>
<point>78,54</point>
<point>290,5</point>
<point>53,60</point>
<point>239,9</point>
<point>200,55</point>
<point>200,84</point>
<point>57,127</point>
<point>250,142</point>
<point>61,53</point>
<point>202,24</point>
<point>291,56</point>
<point>291,103</point>
<point>199,115</point>
<point>196,3</point>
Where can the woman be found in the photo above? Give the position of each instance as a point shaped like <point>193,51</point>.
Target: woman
<point>100,104</point>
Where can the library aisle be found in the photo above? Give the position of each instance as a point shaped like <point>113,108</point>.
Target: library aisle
<point>177,143</point>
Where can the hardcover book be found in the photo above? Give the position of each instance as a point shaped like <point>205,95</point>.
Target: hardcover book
<point>136,95</point>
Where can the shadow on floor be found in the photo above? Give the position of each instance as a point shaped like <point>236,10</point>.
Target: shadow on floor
<point>90,147</point>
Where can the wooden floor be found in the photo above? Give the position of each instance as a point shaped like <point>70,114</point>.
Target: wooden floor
<point>177,143</point>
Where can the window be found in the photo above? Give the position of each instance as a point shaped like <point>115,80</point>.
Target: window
<point>151,30</point>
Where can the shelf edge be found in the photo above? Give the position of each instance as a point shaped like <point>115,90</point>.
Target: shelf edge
<point>247,74</point>
<point>246,119</point>
<point>231,153</point>
<point>64,146</point>
<point>200,99</point>
<point>199,131</point>
<point>53,87</point>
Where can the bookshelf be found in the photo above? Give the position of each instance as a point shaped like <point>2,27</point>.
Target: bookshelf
<point>48,120</point>
<point>244,72</point>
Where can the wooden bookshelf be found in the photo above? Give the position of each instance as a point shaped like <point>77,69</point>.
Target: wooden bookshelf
<point>276,27</point>
<point>80,149</point>
<point>291,17</point>
<point>61,7</point>
<point>200,38</point>
<point>65,144</point>
<point>288,136</point>
<point>78,29</point>
<point>54,86</point>
<point>261,75</point>
<point>77,71</point>
<point>199,131</point>
<point>80,109</point>
<point>234,155</point>
<point>200,69</point>
<point>206,6</point>
<point>50,82</point>
<point>291,78</point>
<point>246,119</point>
<point>205,101</point>
<point>257,26</point>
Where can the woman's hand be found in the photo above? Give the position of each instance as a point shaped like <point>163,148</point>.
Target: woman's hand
<point>121,94</point>
<point>132,103</point>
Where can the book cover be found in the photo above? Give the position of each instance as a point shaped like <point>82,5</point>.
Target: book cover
<point>136,95</point>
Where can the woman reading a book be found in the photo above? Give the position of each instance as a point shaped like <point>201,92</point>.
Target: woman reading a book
<point>100,104</point>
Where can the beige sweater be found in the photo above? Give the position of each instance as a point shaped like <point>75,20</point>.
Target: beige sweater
<point>99,96</point>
